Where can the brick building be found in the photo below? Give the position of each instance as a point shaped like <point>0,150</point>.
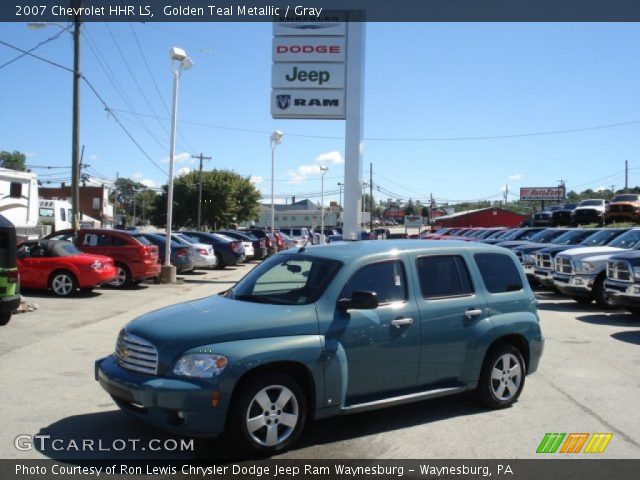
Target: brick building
<point>94,201</point>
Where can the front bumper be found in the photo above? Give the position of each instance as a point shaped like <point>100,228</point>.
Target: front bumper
<point>177,405</point>
<point>544,276</point>
<point>574,285</point>
<point>623,293</point>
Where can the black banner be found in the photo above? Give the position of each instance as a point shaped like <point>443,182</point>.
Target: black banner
<point>319,10</point>
<point>579,469</point>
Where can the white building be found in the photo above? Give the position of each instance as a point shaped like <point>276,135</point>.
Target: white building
<point>304,213</point>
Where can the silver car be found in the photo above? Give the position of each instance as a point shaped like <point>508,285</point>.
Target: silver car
<point>203,255</point>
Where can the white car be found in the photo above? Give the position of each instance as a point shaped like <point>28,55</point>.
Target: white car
<point>248,250</point>
<point>203,255</point>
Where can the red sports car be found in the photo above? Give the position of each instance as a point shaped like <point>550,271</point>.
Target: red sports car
<point>59,266</point>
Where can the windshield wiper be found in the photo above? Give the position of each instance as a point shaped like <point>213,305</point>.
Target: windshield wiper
<point>252,298</point>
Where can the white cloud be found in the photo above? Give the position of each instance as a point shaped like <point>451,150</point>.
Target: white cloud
<point>333,157</point>
<point>31,154</point>
<point>183,171</point>
<point>94,158</point>
<point>256,179</point>
<point>302,173</point>
<point>517,176</point>
<point>600,189</point>
<point>147,182</point>
<point>184,157</point>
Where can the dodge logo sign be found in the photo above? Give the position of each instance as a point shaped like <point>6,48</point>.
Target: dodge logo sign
<point>283,101</point>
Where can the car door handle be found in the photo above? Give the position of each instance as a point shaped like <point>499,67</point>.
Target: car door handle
<point>473,312</point>
<point>399,322</point>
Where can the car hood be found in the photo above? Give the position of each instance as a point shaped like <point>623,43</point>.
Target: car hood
<point>554,250</point>
<point>513,243</point>
<point>589,252</point>
<point>532,247</point>
<point>600,208</point>
<point>217,319</point>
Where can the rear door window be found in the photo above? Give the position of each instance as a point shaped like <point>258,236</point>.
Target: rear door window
<point>95,240</point>
<point>498,272</point>
<point>443,276</point>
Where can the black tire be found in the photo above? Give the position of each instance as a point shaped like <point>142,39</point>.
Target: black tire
<point>220,265</point>
<point>87,289</point>
<point>123,277</point>
<point>63,283</point>
<point>631,310</point>
<point>581,300</point>
<point>489,387</point>
<point>599,295</point>
<point>245,406</point>
<point>4,318</point>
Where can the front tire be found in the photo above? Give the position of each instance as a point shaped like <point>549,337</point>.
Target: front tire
<point>502,377</point>
<point>220,265</point>
<point>4,318</point>
<point>270,413</point>
<point>63,283</point>
<point>122,278</point>
<point>602,299</point>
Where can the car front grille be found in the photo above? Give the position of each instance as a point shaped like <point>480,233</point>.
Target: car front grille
<point>585,213</point>
<point>621,209</point>
<point>619,270</point>
<point>135,353</point>
<point>543,260</point>
<point>563,265</point>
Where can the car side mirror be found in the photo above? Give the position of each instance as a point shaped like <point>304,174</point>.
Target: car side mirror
<point>359,301</point>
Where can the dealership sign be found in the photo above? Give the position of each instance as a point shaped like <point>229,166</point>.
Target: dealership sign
<point>542,193</point>
<point>308,75</point>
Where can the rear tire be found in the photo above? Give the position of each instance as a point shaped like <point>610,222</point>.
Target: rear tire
<point>268,414</point>
<point>123,277</point>
<point>4,318</point>
<point>220,265</point>
<point>63,283</point>
<point>502,378</point>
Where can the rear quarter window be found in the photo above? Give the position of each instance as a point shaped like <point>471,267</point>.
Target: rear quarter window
<point>499,272</point>
<point>443,276</point>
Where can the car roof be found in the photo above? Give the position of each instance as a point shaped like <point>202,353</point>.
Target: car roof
<point>347,250</point>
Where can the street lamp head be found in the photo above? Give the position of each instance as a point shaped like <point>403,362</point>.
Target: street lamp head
<point>187,63</point>
<point>276,137</point>
<point>177,54</point>
<point>324,169</point>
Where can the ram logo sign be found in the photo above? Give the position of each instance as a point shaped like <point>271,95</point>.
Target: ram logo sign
<point>574,443</point>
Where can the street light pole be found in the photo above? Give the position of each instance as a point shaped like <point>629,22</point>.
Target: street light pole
<point>340,185</point>
<point>177,55</point>
<point>323,170</point>
<point>275,138</point>
<point>75,135</point>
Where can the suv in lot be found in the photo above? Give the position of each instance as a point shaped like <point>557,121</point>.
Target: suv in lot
<point>135,259</point>
<point>329,330</point>
<point>623,207</point>
<point>580,272</point>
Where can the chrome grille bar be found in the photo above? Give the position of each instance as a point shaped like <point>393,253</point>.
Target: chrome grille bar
<point>135,353</point>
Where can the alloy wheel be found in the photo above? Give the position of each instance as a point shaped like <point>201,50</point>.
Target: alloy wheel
<point>272,415</point>
<point>506,377</point>
<point>120,278</point>
<point>62,284</point>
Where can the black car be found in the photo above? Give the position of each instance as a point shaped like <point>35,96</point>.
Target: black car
<point>562,216</point>
<point>259,244</point>
<point>228,250</point>
<point>270,242</point>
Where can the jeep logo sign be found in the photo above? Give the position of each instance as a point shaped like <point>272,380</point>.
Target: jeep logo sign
<point>317,49</point>
<point>307,103</point>
<point>307,75</point>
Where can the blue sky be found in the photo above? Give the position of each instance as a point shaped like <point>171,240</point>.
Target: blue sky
<point>423,80</point>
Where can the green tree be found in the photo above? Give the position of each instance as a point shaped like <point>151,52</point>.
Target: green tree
<point>409,208</point>
<point>124,193</point>
<point>227,199</point>
<point>13,160</point>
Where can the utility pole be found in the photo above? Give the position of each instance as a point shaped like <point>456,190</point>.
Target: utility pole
<point>561,193</point>
<point>75,133</point>
<point>371,196</point>
<point>201,157</point>
<point>613,190</point>
<point>626,176</point>
<point>115,197</point>
<point>340,185</point>
<point>506,195</point>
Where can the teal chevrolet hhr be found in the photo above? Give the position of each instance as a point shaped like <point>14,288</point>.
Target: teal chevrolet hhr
<point>328,330</point>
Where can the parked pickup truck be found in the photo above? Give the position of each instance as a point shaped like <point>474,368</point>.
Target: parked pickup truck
<point>623,280</point>
<point>580,272</point>
<point>328,330</point>
<point>545,258</point>
<point>625,207</point>
<point>589,211</point>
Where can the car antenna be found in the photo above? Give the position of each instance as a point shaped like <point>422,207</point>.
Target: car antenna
<point>302,248</point>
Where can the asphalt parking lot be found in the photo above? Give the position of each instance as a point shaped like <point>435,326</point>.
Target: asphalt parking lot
<point>588,381</point>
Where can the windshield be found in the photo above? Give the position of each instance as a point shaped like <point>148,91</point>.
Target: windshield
<point>528,234</point>
<point>591,203</point>
<point>629,239</point>
<point>625,198</point>
<point>573,237</point>
<point>546,236</point>
<point>293,279</point>
<point>143,240</point>
<point>602,237</point>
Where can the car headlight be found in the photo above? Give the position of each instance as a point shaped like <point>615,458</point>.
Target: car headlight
<point>200,365</point>
<point>636,273</point>
<point>584,267</point>
<point>529,258</point>
<point>97,265</point>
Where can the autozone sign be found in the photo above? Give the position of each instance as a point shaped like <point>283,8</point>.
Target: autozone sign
<point>307,103</point>
<point>541,193</point>
<point>319,49</point>
<point>307,75</point>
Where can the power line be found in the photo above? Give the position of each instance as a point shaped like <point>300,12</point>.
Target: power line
<point>38,45</point>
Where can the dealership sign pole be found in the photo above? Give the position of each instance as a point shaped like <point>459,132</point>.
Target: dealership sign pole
<point>317,73</point>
